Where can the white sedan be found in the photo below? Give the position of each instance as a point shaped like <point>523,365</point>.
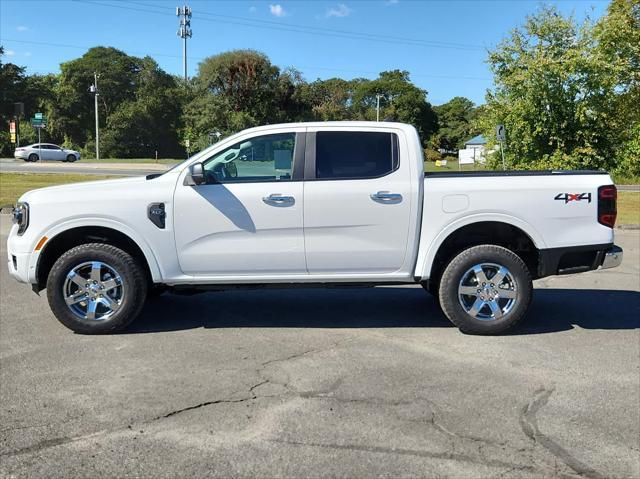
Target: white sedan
<point>45,151</point>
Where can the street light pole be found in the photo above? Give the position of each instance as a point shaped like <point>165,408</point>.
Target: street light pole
<point>378,95</point>
<point>94,89</point>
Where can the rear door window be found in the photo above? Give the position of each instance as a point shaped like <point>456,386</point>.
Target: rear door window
<point>355,155</point>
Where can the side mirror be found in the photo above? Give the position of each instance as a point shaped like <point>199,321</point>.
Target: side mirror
<point>196,172</point>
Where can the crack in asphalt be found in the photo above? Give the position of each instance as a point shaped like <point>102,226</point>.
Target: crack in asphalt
<point>49,443</point>
<point>529,425</point>
<point>527,418</point>
<point>409,452</point>
<point>58,441</point>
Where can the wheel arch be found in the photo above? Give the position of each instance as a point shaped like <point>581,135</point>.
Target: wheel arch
<point>63,239</point>
<point>517,236</point>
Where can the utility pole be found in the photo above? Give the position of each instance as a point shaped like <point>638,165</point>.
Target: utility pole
<point>378,96</point>
<point>184,32</point>
<point>94,89</point>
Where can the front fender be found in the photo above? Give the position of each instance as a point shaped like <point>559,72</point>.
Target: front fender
<point>54,230</point>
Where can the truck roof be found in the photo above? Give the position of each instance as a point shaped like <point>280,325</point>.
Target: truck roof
<point>351,124</point>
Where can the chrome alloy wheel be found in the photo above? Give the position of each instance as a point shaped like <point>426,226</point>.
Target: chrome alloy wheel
<point>93,291</point>
<point>487,291</point>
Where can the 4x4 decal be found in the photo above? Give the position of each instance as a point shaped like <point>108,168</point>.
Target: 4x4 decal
<point>568,197</point>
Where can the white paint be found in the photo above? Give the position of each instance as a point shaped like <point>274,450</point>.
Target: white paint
<point>334,231</point>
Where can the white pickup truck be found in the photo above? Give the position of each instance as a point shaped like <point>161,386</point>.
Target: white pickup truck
<point>313,204</point>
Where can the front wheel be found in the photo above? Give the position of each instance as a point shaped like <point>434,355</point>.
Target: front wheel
<point>96,288</point>
<point>486,289</point>
<point>71,158</point>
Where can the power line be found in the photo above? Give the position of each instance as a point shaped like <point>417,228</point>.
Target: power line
<point>304,29</point>
<point>308,67</point>
<point>324,30</point>
<point>63,45</point>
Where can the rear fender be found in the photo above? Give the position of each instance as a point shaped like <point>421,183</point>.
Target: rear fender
<point>427,252</point>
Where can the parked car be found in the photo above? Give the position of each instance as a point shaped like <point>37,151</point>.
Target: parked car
<point>45,151</point>
<point>344,203</point>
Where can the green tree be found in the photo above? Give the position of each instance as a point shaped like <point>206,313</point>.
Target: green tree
<point>137,106</point>
<point>150,122</point>
<point>74,109</point>
<point>455,123</point>
<point>558,92</point>
<point>12,89</point>
<point>401,101</point>
<point>618,52</point>
<point>240,89</point>
<point>328,100</point>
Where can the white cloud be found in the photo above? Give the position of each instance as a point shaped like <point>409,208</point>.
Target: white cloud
<point>277,10</point>
<point>340,11</point>
<point>27,54</point>
<point>9,53</point>
<point>253,9</point>
<point>22,28</point>
<point>391,2</point>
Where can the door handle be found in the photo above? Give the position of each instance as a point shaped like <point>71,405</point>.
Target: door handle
<point>279,200</point>
<point>386,197</point>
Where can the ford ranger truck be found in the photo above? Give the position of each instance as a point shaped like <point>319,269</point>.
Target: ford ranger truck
<point>312,204</point>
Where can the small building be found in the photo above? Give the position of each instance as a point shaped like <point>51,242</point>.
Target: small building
<point>473,151</point>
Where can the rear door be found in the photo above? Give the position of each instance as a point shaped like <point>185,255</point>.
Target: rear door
<point>357,200</point>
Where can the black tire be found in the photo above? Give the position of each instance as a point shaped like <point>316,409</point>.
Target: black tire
<point>133,281</point>
<point>459,269</point>
<point>33,157</point>
<point>71,158</point>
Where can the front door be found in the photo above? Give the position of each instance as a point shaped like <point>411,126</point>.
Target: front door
<point>56,153</point>
<point>247,218</point>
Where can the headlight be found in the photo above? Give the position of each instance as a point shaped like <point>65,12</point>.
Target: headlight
<point>21,217</point>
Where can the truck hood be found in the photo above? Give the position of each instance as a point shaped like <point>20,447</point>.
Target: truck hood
<point>104,189</point>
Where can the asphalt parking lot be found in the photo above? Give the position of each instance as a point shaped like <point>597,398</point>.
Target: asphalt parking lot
<point>327,383</point>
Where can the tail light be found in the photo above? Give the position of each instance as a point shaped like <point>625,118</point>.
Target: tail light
<point>607,205</point>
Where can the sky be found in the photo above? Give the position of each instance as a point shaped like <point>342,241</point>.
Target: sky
<point>443,44</point>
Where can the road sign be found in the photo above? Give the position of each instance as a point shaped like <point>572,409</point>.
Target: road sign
<point>12,127</point>
<point>501,133</point>
<point>38,116</point>
<point>39,122</point>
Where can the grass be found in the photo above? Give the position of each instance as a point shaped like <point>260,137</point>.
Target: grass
<point>13,185</point>
<point>628,208</point>
<point>452,166</point>
<point>165,161</point>
<point>625,180</point>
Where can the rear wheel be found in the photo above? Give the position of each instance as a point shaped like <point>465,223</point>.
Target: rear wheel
<point>96,288</point>
<point>486,289</point>
<point>33,157</point>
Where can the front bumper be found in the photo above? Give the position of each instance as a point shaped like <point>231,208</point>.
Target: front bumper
<point>612,258</point>
<point>18,265</point>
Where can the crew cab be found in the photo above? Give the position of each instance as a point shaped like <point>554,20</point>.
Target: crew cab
<point>312,204</point>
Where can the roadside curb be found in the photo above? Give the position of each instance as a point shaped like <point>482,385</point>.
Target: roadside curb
<point>628,227</point>
<point>40,166</point>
